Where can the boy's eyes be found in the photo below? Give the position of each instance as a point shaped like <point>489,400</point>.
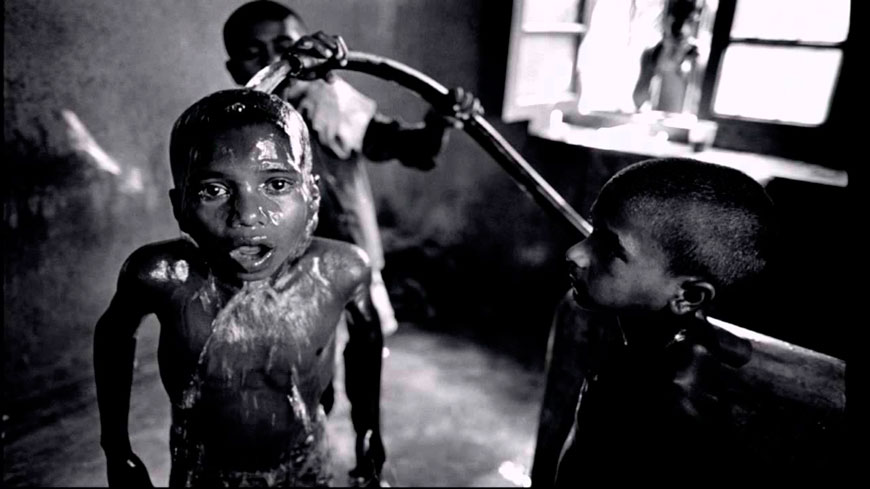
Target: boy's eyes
<point>272,186</point>
<point>280,185</point>
<point>254,51</point>
<point>606,247</point>
<point>250,53</point>
<point>210,191</point>
<point>283,45</point>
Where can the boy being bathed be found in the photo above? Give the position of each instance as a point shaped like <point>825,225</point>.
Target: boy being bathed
<point>248,309</point>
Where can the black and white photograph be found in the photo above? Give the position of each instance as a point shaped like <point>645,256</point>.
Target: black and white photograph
<point>432,243</point>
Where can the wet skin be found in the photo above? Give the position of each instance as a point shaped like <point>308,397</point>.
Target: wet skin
<point>245,202</point>
<point>248,317</point>
<point>270,352</point>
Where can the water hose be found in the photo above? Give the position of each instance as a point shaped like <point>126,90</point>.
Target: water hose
<point>523,174</point>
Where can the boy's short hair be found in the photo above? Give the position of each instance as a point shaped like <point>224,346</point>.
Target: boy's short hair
<point>229,109</point>
<point>710,220</point>
<point>250,13</point>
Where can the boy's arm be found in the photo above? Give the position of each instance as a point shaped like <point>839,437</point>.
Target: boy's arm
<point>641,93</point>
<point>569,357</point>
<point>417,145</point>
<point>338,114</point>
<point>114,352</point>
<point>362,357</point>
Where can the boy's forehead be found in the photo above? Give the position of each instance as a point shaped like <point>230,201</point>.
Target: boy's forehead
<point>265,145</point>
<point>266,30</point>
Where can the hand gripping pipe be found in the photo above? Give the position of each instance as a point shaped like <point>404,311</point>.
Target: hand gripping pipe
<point>532,183</point>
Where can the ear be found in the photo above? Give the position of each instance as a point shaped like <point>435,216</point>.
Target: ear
<point>693,295</point>
<point>239,75</point>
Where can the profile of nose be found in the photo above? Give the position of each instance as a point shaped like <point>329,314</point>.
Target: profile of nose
<point>271,55</point>
<point>578,255</point>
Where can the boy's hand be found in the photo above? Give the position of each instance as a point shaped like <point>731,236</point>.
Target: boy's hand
<point>319,54</point>
<point>460,106</point>
<point>370,457</point>
<point>127,471</point>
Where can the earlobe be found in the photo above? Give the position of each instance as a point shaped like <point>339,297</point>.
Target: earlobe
<point>692,296</point>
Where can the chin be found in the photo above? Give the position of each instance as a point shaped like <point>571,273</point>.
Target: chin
<point>253,276</point>
<point>583,301</point>
<point>241,274</point>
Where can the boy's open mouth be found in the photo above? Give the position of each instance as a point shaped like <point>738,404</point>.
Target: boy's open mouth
<point>251,256</point>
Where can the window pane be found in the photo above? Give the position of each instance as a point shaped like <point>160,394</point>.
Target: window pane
<point>551,11</point>
<point>787,84</point>
<point>546,66</point>
<point>792,20</point>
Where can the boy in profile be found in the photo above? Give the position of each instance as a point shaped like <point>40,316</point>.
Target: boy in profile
<point>248,308</point>
<point>671,236</point>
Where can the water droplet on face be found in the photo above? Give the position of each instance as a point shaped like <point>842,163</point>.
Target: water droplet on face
<point>266,150</point>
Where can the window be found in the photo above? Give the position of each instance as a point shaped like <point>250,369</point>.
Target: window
<point>545,36</point>
<point>781,60</point>
<point>768,71</point>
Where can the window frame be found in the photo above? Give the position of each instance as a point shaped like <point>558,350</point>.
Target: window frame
<point>779,138</point>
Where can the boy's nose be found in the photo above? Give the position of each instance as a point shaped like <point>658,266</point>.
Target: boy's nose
<point>247,211</point>
<point>271,55</point>
<point>578,255</point>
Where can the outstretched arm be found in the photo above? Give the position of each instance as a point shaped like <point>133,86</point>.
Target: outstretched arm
<point>417,145</point>
<point>345,121</point>
<point>114,351</point>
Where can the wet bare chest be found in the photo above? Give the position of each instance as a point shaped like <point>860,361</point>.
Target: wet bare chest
<point>263,337</point>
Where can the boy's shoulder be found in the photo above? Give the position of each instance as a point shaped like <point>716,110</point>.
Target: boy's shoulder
<point>167,261</point>
<point>342,260</point>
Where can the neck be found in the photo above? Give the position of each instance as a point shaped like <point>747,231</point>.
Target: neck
<point>653,330</point>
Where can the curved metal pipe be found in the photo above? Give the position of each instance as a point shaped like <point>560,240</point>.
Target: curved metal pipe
<point>529,180</point>
<point>479,129</point>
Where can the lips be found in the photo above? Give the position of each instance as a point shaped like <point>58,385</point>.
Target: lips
<point>250,255</point>
<point>578,288</point>
<point>575,276</point>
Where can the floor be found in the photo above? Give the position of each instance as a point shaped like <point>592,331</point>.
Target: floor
<point>453,414</point>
